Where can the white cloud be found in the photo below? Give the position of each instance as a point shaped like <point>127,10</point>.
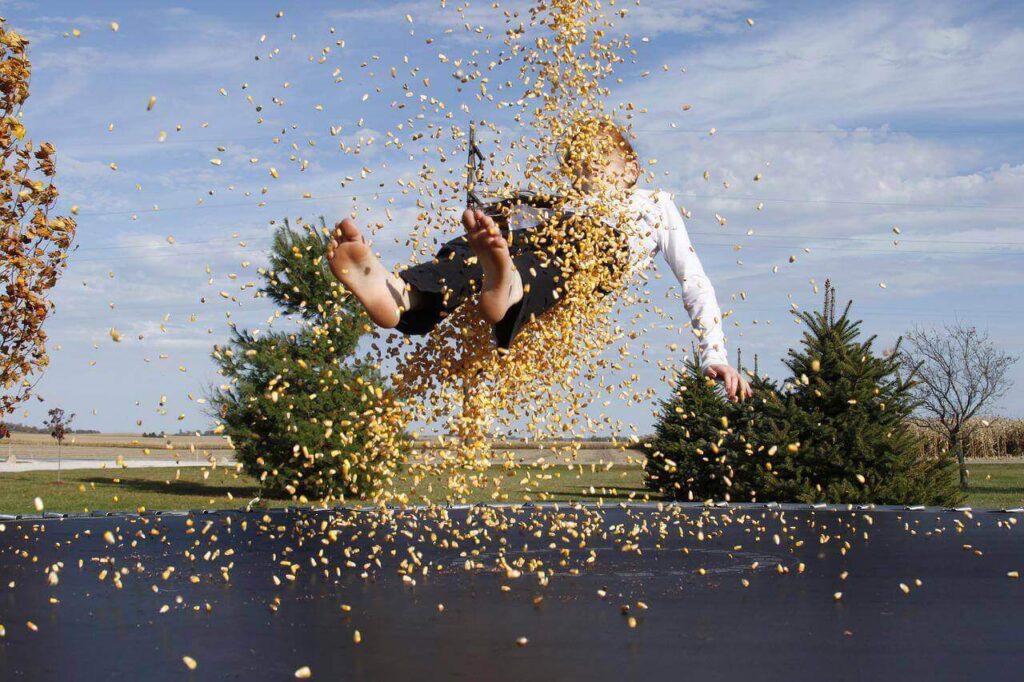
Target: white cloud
<point>849,65</point>
<point>677,17</point>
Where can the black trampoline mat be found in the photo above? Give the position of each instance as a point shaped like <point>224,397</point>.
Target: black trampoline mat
<point>686,563</point>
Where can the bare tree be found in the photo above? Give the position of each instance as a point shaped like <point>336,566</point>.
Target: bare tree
<point>58,424</point>
<point>6,433</point>
<point>958,372</point>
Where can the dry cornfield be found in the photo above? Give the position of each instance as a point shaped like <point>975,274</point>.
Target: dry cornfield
<point>1001,438</point>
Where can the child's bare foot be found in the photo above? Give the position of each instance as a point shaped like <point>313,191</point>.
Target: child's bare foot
<point>354,264</point>
<point>502,285</point>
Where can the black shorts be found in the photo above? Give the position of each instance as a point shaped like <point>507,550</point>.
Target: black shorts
<point>450,279</point>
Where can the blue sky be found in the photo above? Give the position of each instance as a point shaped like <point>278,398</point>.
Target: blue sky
<point>858,116</point>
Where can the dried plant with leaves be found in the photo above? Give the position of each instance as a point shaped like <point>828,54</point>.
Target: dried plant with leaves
<point>33,246</point>
<point>994,437</point>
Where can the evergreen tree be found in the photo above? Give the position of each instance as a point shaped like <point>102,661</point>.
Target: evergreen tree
<point>296,402</point>
<point>704,446</point>
<point>841,426</point>
<point>836,431</point>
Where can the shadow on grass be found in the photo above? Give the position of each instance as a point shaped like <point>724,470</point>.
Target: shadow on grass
<point>192,488</point>
<point>988,488</point>
<point>185,488</point>
<point>622,492</point>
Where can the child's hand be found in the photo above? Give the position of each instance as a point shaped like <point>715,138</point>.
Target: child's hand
<point>735,385</point>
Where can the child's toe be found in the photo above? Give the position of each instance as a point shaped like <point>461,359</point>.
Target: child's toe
<point>347,230</point>
<point>485,220</point>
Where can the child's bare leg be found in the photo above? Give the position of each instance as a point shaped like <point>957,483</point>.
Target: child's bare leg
<point>362,273</point>
<point>502,286</point>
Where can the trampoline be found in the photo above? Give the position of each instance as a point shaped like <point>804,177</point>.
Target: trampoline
<point>669,591</point>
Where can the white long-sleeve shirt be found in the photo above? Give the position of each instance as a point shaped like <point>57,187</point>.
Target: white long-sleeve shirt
<point>656,225</point>
<point>659,228</point>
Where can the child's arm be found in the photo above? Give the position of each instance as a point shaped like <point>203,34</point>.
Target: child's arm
<point>698,293</point>
<point>698,297</point>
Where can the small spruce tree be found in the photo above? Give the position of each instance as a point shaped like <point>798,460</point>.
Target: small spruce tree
<point>704,446</point>
<point>840,425</point>
<point>296,402</point>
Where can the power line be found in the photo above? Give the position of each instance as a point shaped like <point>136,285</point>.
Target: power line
<point>862,239</point>
<point>707,233</point>
<point>829,131</point>
<point>736,239</point>
<point>235,205</point>
<point>851,202</point>
<point>735,306</point>
<point>787,247</point>
<point>170,141</point>
<point>691,195</point>
<point>895,251</point>
<point>688,131</point>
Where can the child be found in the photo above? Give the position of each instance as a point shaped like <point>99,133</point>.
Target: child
<point>517,278</point>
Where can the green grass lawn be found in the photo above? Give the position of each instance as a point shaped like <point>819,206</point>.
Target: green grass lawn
<point>220,488</point>
<point>993,485</point>
<point>996,485</point>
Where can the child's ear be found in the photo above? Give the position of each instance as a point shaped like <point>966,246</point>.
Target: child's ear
<point>634,165</point>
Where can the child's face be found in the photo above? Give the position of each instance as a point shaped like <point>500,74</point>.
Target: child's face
<point>615,171</point>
